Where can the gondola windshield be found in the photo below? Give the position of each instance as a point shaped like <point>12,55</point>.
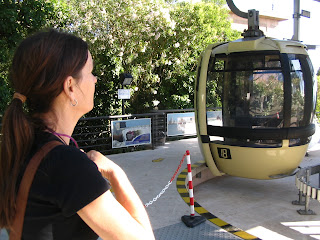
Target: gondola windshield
<point>251,90</point>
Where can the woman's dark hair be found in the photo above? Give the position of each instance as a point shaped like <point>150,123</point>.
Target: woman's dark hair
<point>40,65</point>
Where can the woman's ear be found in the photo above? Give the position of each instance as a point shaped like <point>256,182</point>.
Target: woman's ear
<point>69,87</point>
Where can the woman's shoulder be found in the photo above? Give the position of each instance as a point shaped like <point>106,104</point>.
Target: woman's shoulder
<point>70,157</point>
<point>64,151</point>
<point>45,137</point>
<point>61,155</point>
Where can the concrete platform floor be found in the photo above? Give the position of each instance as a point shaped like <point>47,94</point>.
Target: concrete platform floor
<point>262,208</point>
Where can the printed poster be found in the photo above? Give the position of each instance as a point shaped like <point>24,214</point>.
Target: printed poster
<point>132,132</point>
<point>214,118</point>
<point>184,123</point>
<point>181,124</point>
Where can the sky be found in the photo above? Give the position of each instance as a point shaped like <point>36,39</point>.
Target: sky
<point>309,27</point>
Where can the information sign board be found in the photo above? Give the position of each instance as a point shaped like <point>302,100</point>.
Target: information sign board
<point>123,93</point>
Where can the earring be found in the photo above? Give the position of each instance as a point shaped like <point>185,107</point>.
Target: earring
<point>73,105</point>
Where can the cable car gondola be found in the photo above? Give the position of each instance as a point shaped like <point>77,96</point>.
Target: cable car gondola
<point>265,91</point>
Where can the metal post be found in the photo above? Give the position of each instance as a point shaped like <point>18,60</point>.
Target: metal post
<point>296,21</point>
<point>299,202</point>
<point>306,210</point>
<point>306,207</point>
<point>253,19</point>
<point>122,111</point>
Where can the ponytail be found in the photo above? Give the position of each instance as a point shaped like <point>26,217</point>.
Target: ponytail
<point>16,141</point>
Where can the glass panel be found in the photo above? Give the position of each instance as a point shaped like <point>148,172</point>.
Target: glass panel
<point>215,84</point>
<point>298,98</point>
<point>266,102</point>
<point>249,88</point>
<point>214,118</point>
<point>314,84</point>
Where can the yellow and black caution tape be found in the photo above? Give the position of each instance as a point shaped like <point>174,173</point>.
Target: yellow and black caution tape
<point>183,191</point>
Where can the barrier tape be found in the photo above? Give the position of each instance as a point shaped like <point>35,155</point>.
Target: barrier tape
<point>169,183</point>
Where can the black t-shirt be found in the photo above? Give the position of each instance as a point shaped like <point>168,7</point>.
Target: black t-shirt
<point>65,182</point>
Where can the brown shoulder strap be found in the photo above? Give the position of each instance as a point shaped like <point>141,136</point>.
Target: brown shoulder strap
<point>22,197</point>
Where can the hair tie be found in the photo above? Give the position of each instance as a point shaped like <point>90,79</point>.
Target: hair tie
<point>20,96</point>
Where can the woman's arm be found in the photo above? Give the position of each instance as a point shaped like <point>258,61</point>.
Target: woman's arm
<point>123,217</point>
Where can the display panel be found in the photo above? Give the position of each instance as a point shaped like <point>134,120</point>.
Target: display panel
<point>132,132</point>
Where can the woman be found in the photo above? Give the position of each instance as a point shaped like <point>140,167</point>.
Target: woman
<point>69,198</point>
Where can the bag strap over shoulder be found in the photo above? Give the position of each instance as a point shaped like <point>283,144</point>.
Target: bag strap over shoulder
<point>22,196</point>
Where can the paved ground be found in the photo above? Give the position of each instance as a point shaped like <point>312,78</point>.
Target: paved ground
<point>150,171</point>
<point>262,208</point>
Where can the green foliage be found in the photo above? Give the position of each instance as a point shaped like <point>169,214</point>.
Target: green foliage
<point>19,19</point>
<point>196,26</point>
<point>157,41</point>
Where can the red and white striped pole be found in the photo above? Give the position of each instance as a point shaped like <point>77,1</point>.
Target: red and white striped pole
<point>191,220</point>
<point>190,184</point>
